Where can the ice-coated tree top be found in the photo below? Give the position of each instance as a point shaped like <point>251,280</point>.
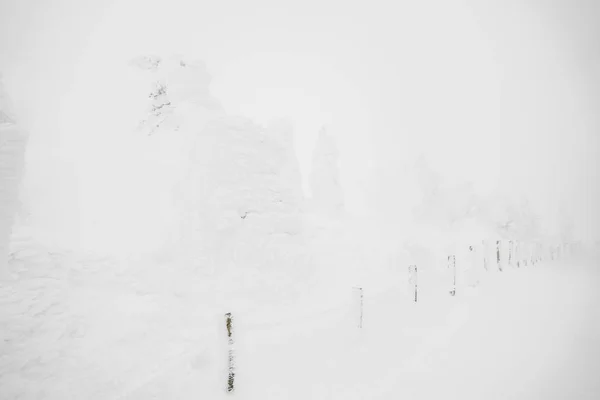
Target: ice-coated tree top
<point>175,82</point>
<point>146,62</point>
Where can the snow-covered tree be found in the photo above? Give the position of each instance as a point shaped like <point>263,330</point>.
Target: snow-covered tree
<point>175,82</point>
<point>160,107</point>
<point>326,188</point>
<point>510,219</point>
<point>146,62</point>
<point>566,225</point>
<point>242,195</point>
<point>442,205</point>
<point>428,180</point>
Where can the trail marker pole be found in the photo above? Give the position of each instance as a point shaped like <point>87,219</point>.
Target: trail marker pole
<point>484,249</point>
<point>360,297</point>
<point>498,255</point>
<point>472,271</point>
<point>230,342</point>
<point>412,278</point>
<point>452,266</point>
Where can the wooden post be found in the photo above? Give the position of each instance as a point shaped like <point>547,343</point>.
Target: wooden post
<point>359,292</point>
<point>452,266</point>
<point>484,249</point>
<point>472,270</point>
<point>412,278</point>
<point>230,342</point>
<point>498,255</point>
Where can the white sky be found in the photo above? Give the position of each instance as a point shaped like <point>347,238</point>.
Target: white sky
<point>504,94</point>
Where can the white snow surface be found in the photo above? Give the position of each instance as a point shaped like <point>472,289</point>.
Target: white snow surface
<point>75,327</point>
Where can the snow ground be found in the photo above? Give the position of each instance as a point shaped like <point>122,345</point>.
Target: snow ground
<point>84,328</point>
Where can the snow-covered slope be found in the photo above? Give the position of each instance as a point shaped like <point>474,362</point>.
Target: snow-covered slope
<point>74,327</point>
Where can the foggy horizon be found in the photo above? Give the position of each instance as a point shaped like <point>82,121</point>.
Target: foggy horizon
<point>501,95</point>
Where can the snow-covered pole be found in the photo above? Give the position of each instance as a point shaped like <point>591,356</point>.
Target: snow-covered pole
<point>498,255</point>
<point>558,252</point>
<point>561,250</point>
<point>472,275</point>
<point>452,266</point>
<point>231,361</point>
<point>359,297</point>
<point>522,254</point>
<point>511,250</point>
<point>412,278</point>
<point>484,250</point>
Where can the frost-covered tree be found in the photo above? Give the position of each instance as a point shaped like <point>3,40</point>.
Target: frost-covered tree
<point>146,62</point>
<point>242,196</point>
<point>326,188</point>
<point>566,225</point>
<point>442,205</point>
<point>428,180</point>
<point>160,107</point>
<point>510,219</point>
<point>175,82</point>
<point>529,221</point>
